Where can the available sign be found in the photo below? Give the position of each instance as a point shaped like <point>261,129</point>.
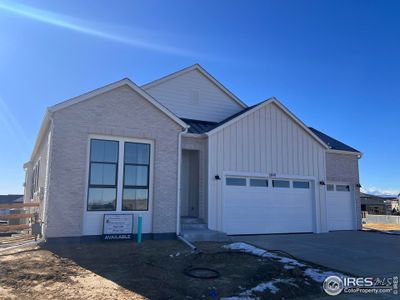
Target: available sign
<point>117,227</point>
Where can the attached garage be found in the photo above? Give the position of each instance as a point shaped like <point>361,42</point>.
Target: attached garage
<point>257,205</point>
<point>340,207</point>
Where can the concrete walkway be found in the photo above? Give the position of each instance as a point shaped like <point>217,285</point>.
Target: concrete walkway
<point>355,252</point>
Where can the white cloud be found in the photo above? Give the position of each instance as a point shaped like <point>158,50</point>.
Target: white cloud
<point>380,191</point>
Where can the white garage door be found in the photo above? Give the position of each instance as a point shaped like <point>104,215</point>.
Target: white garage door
<point>261,205</point>
<point>340,207</point>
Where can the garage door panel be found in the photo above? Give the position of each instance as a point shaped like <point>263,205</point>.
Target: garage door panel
<point>258,210</point>
<point>340,209</point>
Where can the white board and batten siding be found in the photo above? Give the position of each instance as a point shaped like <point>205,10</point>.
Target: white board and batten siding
<point>266,143</point>
<point>193,96</point>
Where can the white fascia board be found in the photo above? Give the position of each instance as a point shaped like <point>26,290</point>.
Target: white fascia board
<point>204,73</point>
<point>359,154</point>
<point>195,135</point>
<point>263,104</point>
<point>112,86</point>
<point>43,128</point>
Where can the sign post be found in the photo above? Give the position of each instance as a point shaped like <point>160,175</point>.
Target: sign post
<point>117,227</point>
<point>139,230</point>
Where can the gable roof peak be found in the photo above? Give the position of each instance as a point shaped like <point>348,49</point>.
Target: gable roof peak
<point>202,71</point>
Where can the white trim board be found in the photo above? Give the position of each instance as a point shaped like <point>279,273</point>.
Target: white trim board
<point>204,73</point>
<point>263,104</point>
<point>115,85</point>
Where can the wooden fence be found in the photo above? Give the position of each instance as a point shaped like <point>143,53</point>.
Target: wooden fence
<point>6,228</point>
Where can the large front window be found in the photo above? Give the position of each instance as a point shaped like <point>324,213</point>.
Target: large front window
<point>113,188</point>
<point>135,194</point>
<point>103,175</point>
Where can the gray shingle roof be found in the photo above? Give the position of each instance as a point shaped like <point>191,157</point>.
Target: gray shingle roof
<point>333,143</point>
<point>200,127</point>
<point>5,199</point>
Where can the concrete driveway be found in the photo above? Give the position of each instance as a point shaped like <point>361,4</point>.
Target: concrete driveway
<point>356,252</point>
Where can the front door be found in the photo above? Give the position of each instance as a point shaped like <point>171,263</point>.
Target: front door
<point>190,184</point>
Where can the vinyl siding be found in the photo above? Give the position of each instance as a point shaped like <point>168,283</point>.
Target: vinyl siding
<point>193,96</point>
<point>265,141</point>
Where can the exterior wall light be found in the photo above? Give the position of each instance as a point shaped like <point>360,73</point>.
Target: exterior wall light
<point>322,182</point>
<point>217,177</point>
<point>358,185</point>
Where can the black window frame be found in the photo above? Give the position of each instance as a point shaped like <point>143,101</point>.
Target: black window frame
<point>136,187</point>
<point>105,186</point>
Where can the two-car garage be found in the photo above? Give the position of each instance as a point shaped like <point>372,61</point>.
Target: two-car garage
<point>269,173</point>
<point>260,205</point>
<point>256,205</point>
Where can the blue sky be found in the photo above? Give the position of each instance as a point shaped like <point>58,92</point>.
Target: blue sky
<point>335,64</point>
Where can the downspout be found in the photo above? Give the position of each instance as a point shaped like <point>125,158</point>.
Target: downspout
<point>178,201</point>
<point>48,170</point>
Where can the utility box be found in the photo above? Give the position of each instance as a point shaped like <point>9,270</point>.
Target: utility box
<point>36,229</point>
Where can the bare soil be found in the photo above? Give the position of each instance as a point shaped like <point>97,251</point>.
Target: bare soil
<point>151,270</point>
<point>382,227</point>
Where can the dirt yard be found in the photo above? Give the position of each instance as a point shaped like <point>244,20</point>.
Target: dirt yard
<point>382,227</point>
<point>151,270</point>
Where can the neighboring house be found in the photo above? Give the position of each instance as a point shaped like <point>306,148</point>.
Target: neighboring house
<point>10,199</point>
<point>378,205</point>
<point>185,146</point>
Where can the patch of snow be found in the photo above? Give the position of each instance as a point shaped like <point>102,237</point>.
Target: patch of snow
<point>289,263</point>
<point>319,275</point>
<point>175,255</point>
<point>262,253</point>
<point>270,285</point>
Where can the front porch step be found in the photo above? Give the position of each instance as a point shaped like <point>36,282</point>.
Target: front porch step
<point>204,235</point>
<point>191,220</point>
<point>191,226</point>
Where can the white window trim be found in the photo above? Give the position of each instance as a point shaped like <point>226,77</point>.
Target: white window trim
<point>121,141</point>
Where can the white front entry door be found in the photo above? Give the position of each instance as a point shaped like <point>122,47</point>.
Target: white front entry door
<point>340,207</point>
<point>264,205</point>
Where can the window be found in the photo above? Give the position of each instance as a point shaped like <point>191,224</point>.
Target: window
<point>136,176</point>
<point>35,179</point>
<point>235,181</point>
<point>103,170</point>
<point>280,183</point>
<point>301,184</point>
<point>258,182</point>
<point>329,187</point>
<point>342,188</point>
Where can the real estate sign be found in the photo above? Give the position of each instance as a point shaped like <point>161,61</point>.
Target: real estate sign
<point>117,227</point>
